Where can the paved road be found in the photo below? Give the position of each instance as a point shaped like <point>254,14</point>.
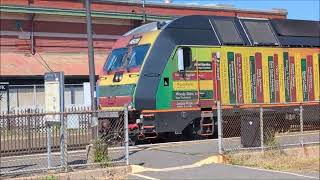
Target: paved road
<point>178,161</point>
<point>173,154</point>
<point>182,153</point>
<point>218,171</point>
<point>160,156</point>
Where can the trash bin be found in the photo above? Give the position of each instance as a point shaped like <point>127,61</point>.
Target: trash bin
<point>250,129</point>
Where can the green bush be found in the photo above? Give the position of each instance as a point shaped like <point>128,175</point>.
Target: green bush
<point>101,153</point>
<point>49,178</point>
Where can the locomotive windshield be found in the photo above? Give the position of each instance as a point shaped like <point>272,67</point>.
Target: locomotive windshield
<point>126,57</point>
<point>137,55</point>
<point>114,61</point>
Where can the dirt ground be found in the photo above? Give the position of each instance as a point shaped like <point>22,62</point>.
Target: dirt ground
<point>297,160</point>
<point>115,173</point>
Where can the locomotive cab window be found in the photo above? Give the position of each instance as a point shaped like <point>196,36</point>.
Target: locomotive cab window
<point>184,58</point>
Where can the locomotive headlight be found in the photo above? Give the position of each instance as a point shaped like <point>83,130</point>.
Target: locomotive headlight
<point>130,107</point>
<point>117,78</point>
<point>218,55</point>
<point>138,121</point>
<point>120,77</point>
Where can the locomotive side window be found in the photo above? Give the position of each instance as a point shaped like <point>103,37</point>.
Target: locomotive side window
<point>184,58</point>
<point>187,57</point>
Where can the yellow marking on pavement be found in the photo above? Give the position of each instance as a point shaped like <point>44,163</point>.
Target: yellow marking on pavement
<point>210,160</point>
<point>137,169</point>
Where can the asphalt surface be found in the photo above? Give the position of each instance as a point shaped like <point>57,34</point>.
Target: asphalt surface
<point>173,154</point>
<point>173,162</point>
<point>166,155</point>
<point>218,171</point>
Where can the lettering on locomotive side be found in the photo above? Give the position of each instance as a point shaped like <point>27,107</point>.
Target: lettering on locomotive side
<point>184,104</point>
<point>276,78</point>
<point>185,95</point>
<point>239,78</point>
<point>292,80</point>
<point>187,76</point>
<point>271,79</point>
<point>286,76</point>
<point>202,65</point>
<point>310,78</point>
<point>191,95</point>
<point>259,77</point>
<point>304,78</point>
<point>232,80</point>
<point>253,79</point>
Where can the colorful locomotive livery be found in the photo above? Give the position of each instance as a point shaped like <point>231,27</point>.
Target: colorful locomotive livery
<point>172,73</point>
<point>246,75</point>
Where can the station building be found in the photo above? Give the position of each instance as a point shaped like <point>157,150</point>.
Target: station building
<point>39,36</point>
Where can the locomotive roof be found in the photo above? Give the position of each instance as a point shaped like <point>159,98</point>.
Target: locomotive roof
<point>219,30</point>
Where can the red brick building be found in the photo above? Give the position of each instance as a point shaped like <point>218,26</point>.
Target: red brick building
<point>37,36</point>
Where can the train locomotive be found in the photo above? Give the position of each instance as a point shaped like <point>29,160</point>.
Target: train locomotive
<point>172,74</point>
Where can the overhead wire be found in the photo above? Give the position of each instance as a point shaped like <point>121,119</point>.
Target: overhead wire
<point>42,61</point>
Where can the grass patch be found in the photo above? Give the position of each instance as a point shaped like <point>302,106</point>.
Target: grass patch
<point>51,177</point>
<point>291,160</point>
<point>101,153</point>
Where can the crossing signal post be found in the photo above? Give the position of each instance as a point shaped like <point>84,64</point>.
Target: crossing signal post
<point>54,103</point>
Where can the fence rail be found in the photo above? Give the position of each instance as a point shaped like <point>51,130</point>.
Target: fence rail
<point>25,131</point>
<point>51,145</point>
<point>268,127</point>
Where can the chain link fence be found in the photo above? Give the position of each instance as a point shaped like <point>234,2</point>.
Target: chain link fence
<point>30,143</point>
<point>268,127</point>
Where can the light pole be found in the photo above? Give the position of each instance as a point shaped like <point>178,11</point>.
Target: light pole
<point>91,69</point>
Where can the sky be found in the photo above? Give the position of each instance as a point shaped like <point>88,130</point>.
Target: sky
<point>297,9</point>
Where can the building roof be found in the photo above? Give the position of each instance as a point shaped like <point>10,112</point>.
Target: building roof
<point>226,7</point>
<point>80,13</point>
<point>58,28</point>
<point>132,9</point>
<point>25,64</point>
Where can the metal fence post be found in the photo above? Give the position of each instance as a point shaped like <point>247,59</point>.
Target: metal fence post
<point>3,124</point>
<point>261,129</point>
<point>301,125</point>
<point>8,100</point>
<point>63,142</point>
<point>126,135</point>
<point>34,95</point>
<point>49,144</point>
<point>29,132</point>
<point>219,118</point>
